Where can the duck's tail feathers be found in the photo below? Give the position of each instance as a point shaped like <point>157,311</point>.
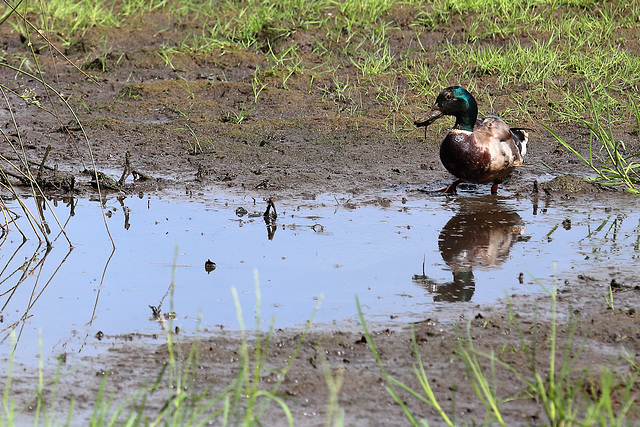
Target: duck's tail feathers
<point>520,138</point>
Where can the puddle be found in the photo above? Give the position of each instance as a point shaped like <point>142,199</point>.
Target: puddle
<point>405,262</point>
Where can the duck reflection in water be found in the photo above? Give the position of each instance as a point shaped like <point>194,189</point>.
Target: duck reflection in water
<point>480,236</point>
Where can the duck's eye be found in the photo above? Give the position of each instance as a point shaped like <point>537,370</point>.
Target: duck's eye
<point>449,97</point>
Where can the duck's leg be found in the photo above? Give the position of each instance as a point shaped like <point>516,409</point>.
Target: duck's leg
<point>451,188</point>
<point>494,188</point>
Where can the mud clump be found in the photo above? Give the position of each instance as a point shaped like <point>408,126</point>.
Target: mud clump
<point>571,184</point>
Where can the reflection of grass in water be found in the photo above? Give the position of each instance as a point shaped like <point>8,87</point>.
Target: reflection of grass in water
<point>568,395</point>
<point>242,402</point>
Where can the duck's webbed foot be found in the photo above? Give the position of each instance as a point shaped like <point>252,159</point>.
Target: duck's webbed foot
<point>451,188</point>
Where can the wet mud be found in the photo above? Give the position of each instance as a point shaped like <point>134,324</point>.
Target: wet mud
<point>179,129</point>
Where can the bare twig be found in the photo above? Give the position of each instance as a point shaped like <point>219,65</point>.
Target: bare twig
<point>44,160</point>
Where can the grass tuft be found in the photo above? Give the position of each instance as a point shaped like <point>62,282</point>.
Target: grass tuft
<point>607,156</point>
<point>427,395</point>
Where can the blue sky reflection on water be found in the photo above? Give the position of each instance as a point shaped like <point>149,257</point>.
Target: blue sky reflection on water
<point>473,248</point>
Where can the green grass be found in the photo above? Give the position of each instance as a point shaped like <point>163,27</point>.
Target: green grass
<point>568,395</point>
<point>393,385</point>
<point>545,54</point>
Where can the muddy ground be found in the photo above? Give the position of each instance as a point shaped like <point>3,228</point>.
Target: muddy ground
<point>178,124</point>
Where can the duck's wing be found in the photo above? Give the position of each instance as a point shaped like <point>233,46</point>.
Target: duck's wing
<point>504,144</point>
<point>520,138</point>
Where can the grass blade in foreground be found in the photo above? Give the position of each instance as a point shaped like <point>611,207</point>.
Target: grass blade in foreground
<point>429,397</point>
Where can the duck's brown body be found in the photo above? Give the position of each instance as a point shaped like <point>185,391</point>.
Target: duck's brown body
<point>488,154</point>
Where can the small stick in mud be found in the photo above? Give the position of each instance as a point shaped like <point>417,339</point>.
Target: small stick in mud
<point>156,312</point>
<point>105,181</point>
<point>44,160</point>
<point>127,169</point>
<point>46,176</point>
<point>268,215</point>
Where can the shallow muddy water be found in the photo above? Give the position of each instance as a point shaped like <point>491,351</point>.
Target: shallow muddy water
<point>407,258</point>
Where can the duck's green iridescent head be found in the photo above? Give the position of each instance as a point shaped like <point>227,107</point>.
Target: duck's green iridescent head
<point>453,101</point>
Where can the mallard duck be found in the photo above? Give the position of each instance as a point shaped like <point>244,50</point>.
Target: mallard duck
<point>475,150</point>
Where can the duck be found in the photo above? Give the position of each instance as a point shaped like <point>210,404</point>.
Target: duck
<point>475,150</point>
